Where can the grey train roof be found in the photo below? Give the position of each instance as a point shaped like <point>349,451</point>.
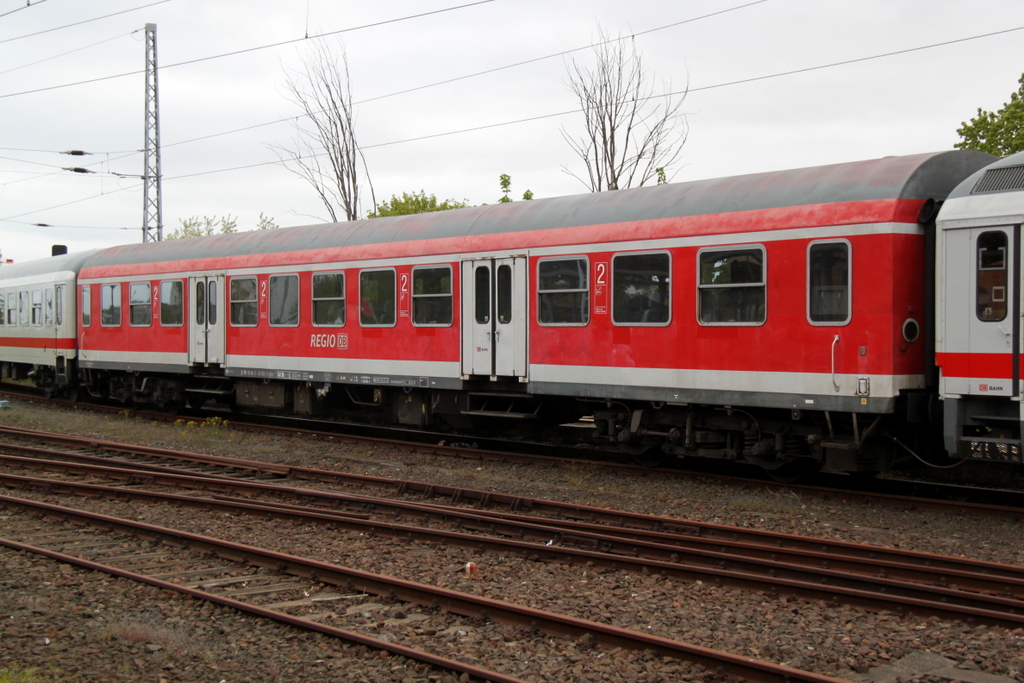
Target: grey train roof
<point>922,176</point>
<point>54,264</point>
<point>1005,175</point>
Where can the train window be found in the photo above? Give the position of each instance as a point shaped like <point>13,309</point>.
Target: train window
<point>86,306</point>
<point>3,309</point>
<point>37,307</point>
<point>12,311</point>
<point>23,308</point>
<point>990,302</point>
<point>732,286</point>
<point>432,295</point>
<point>641,289</point>
<point>48,307</point>
<point>140,304</point>
<point>58,305</point>
<point>377,297</point>
<point>284,300</point>
<point>329,299</point>
<point>211,302</point>
<point>482,294</point>
<point>563,291</point>
<point>828,283</point>
<point>110,305</point>
<point>244,307</point>
<point>172,303</point>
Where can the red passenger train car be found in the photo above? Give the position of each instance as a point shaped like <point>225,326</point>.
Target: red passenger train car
<point>778,319</point>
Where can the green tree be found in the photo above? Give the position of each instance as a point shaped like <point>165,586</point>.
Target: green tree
<point>505,180</point>
<point>417,202</point>
<point>1000,133</point>
<point>265,223</point>
<point>208,225</point>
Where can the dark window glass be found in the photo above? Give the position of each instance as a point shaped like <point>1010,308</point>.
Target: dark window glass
<point>284,300</point>
<point>563,292</point>
<point>991,284</point>
<point>641,289</point>
<point>828,282</point>
<point>329,299</point>
<point>432,296</point>
<point>3,309</point>
<point>504,294</point>
<point>110,305</point>
<point>201,302</point>
<point>211,302</point>
<point>482,294</point>
<point>86,306</point>
<point>244,305</point>
<point>377,297</point>
<point>172,303</point>
<point>140,300</point>
<point>732,286</point>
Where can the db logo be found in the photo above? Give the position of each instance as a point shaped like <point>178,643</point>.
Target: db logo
<point>982,387</point>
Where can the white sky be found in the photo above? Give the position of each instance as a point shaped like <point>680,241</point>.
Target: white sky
<point>898,104</point>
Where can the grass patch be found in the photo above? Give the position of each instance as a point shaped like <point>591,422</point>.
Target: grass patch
<point>21,676</point>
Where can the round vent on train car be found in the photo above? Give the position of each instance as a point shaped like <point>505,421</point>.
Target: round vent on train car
<point>911,330</point>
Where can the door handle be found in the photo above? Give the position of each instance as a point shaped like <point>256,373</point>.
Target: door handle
<point>835,341</point>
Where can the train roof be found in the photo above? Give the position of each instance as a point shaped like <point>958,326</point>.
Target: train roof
<point>55,264</point>
<point>921,176</point>
<point>989,196</point>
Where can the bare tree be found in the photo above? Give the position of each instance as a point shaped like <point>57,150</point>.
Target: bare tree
<point>630,132</point>
<point>326,153</point>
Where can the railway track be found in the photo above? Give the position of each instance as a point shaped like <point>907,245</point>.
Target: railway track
<point>896,493</point>
<point>877,578</point>
<point>272,584</point>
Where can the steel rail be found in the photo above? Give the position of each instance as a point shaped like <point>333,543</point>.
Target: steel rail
<point>870,592</point>
<point>903,565</point>
<point>477,673</point>
<point>515,503</point>
<point>453,601</point>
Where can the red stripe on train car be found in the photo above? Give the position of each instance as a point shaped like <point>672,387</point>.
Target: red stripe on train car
<point>983,365</point>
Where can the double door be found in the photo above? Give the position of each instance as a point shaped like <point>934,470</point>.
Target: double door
<point>206,319</point>
<point>494,305</point>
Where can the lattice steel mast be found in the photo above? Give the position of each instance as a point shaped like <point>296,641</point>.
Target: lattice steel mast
<point>152,209</point>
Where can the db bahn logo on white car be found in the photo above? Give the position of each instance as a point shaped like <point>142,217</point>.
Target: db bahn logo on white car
<point>328,341</point>
<point>989,387</point>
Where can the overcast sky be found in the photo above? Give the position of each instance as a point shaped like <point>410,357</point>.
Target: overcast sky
<point>773,84</point>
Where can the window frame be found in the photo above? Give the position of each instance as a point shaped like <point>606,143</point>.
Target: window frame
<point>255,301</point>
<point>24,308</point>
<point>588,298</point>
<point>115,304</point>
<point>667,304</point>
<point>450,295</point>
<point>3,308</point>
<point>85,306</point>
<point>849,283</point>
<point>991,287</point>
<point>58,305</point>
<point>36,310</point>
<point>394,297</point>
<point>313,298</point>
<point>297,298</point>
<point>133,305</point>
<point>180,306</point>
<point>12,308</point>
<point>48,307</point>
<point>763,285</point>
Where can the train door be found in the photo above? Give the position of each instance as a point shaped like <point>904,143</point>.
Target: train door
<point>987,295</point>
<point>494,303</point>
<point>206,319</point>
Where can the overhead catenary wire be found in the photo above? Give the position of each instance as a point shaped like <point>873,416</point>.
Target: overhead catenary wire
<point>199,60</point>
